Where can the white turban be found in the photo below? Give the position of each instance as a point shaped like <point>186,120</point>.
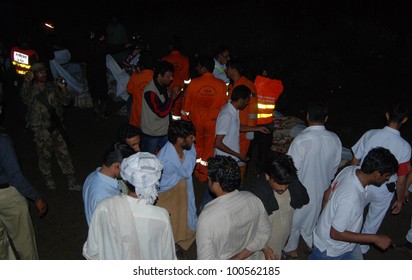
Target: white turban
<point>143,171</point>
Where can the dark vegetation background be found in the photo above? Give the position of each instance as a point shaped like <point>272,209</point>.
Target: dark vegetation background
<point>355,54</point>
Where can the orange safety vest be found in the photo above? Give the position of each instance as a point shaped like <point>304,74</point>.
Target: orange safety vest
<point>268,92</point>
<point>135,87</point>
<point>181,73</point>
<point>22,60</point>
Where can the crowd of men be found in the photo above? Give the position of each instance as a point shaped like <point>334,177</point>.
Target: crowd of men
<point>140,203</point>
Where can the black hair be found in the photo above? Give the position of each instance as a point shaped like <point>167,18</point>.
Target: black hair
<point>225,171</point>
<point>116,153</point>
<point>180,128</point>
<point>220,49</point>
<point>280,168</point>
<point>236,64</point>
<point>240,92</point>
<point>163,67</point>
<point>381,160</point>
<point>127,131</point>
<point>397,112</point>
<point>317,111</point>
<point>207,62</point>
<point>175,43</point>
<point>129,186</point>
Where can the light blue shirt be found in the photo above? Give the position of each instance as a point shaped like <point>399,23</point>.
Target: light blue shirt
<point>219,72</point>
<point>96,188</point>
<point>175,170</point>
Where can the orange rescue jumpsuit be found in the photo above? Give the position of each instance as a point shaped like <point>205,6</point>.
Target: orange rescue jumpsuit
<point>135,87</point>
<point>181,65</point>
<point>204,98</point>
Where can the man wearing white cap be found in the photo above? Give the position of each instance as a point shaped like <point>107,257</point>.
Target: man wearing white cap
<point>129,226</point>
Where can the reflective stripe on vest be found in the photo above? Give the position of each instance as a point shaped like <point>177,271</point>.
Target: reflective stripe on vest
<point>176,118</point>
<point>264,116</point>
<point>266,106</point>
<point>186,82</point>
<point>184,113</point>
<point>201,162</point>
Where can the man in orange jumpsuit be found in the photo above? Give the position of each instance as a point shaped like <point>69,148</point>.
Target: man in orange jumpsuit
<point>248,116</point>
<point>204,98</point>
<point>181,64</point>
<point>138,81</point>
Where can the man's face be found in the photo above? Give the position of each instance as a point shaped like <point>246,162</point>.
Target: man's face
<point>134,143</point>
<point>229,72</point>
<point>40,76</point>
<point>224,57</point>
<point>188,142</point>
<point>275,186</point>
<point>244,103</point>
<point>166,79</point>
<point>199,69</point>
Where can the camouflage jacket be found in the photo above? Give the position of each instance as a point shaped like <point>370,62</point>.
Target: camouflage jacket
<point>40,102</point>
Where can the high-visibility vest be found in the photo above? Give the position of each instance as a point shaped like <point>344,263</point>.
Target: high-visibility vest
<point>22,60</point>
<point>268,92</point>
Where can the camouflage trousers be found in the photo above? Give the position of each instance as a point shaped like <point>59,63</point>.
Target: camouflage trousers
<point>48,143</point>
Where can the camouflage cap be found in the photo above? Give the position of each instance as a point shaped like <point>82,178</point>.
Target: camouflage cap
<point>38,66</point>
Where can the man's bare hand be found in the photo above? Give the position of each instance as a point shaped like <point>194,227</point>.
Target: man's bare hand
<point>263,129</point>
<point>41,207</point>
<point>29,76</point>
<point>176,91</point>
<point>243,157</point>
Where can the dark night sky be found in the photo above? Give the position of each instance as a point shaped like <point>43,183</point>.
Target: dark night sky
<point>352,52</point>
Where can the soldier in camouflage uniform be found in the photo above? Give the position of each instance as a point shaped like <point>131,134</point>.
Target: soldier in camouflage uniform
<point>45,103</point>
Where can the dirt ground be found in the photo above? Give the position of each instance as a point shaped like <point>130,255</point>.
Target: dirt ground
<point>305,52</point>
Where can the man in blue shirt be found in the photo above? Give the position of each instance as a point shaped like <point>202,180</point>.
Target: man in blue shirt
<point>102,183</point>
<point>15,221</point>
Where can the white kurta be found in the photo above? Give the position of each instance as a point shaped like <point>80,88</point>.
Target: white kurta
<point>379,198</point>
<point>316,153</point>
<point>230,223</point>
<point>125,228</point>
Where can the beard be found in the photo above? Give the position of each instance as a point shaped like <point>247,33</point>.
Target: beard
<point>186,147</point>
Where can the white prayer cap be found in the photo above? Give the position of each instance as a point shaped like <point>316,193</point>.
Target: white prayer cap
<point>143,171</point>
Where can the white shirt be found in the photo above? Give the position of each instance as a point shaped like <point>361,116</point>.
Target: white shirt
<point>388,138</point>
<point>344,211</point>
<point>228,124</point>
<point>125,228</point>
<point>230,223</point>
<point>316,153</point>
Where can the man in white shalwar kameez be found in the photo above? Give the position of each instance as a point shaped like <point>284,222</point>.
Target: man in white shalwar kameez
<point>176,192</point>
<point>235,225</point>
<point>316,153</point>
<point>126,227</point>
